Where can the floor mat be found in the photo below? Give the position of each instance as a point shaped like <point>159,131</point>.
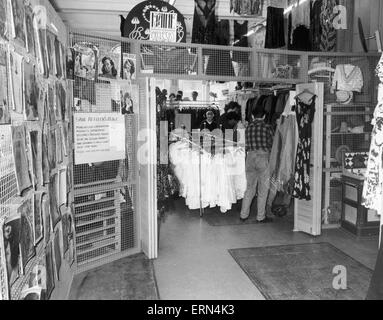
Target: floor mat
<point>302,272</point>
<point>130,278</point>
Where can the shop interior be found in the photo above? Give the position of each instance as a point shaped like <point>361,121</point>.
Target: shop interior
<point>124,149</point>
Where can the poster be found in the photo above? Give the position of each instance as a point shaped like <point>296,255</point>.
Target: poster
<point>20,158</point>
<point>5,116</point>
<point>18,18</point>
<point>31,93</point>
<point>129,66</point>
<point>27,248</point>
<point>99,137</point>
<point>129,98</point>
<point>37,218</point>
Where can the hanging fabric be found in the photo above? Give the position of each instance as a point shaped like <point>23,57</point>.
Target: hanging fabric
<point>247,7</point>
<point>305,116</point>
<point>328,36</point>
<point>204,22</point>
<point>300,15</point>
<point>316,26</point>
<point>275,28</point>
<point>373,184</point>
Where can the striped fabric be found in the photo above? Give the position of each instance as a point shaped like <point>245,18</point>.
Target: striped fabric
<point>328,36</point>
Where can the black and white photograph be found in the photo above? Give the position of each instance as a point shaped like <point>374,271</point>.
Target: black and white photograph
<point>3,18</point>
<point>10,231</point>
<point>30,31</point>
<point>50,269</point>
<point>27,247</point>
<point>57,251</point>
<point>53,200</point>
<point>129,96</point>
<point>109,62</point>
<point>18,21</point>
<point>129,67</point>
<point>5,116</point>
<point>16,67</point>
<point>20,156</point>
<point>35,153</point>
<point>31,92</point>
<point>38,224</point>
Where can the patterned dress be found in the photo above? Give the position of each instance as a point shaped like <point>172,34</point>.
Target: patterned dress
<point>305,116</point>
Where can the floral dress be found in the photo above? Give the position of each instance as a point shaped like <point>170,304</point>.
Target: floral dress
<point>305,116</point>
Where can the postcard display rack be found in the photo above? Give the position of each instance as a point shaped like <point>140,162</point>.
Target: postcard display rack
<point>36,223</point>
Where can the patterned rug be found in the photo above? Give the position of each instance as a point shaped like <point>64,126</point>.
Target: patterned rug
<point>303,272</point>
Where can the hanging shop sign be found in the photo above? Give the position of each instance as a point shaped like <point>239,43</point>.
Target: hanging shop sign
<point>154,20</point>
<point>99,137</point>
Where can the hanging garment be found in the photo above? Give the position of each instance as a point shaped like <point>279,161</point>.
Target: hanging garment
<point>257,41</point>
<point>220,63</point>
<point>300,15</point>
<point>247,7</point>
<point>347,77</point>
<point>316,26</point>
<point>305,116</point>
<point>328,32</point>
<point>275,28</point>
<point>300,39</point>
<point>240,40</point>
<point>373,183</point>
<point>375,291</point>
<point>204,22</point>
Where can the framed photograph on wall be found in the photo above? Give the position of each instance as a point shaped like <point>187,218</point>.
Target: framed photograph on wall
<point>27,247</point>
<point>38,226</point>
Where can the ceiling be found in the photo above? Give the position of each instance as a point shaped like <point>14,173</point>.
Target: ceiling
<point>102,16</point>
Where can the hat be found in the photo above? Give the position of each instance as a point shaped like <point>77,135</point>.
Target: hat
<point>344,97</point>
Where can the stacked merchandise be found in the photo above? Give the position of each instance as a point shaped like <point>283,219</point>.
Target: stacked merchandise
<point>223,177</point>
<point>36,222</point>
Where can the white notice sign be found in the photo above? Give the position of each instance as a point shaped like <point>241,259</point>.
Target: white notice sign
<point>99,137</point>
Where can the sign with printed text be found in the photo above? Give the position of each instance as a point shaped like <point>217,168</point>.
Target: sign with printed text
<point>163,26</point>
<point>99,137</point>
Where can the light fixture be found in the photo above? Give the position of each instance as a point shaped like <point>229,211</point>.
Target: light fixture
<point>296,4</point>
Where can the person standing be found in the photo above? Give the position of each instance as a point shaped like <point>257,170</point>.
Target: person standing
<point>259,140</point>
<point>209,123</point>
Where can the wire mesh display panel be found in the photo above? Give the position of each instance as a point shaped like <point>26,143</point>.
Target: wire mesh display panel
<point>105,84</point>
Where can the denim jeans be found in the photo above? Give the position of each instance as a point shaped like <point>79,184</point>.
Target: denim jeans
<point>257,176</point>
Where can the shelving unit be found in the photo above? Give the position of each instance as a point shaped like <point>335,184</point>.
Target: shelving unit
<point>357,142</point>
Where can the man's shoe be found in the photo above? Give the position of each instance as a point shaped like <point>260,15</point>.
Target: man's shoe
<point>266,220</point>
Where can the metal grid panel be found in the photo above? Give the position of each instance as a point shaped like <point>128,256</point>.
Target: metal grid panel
<point>105,193</point>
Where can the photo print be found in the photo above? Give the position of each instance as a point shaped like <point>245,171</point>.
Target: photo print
<point>109,62</point>
<point>5,116</point>
<point>10,236</point>
<point>85,59</point>
<point>53,200</point>
<point>3,18</point>
<point>30,31</point>
<point>31,93</point>
<point>16,67</point>
<point>18,21</point>
<point>58,60</point>
<point>51,53</point>
<point>36,157</point>
<point>52,155</point>
<point>70,64</point>
<point>45,155</point>
<point>38,227</point>
<point>45,212</point>
<point>27,247</point>
<point>129,68</point>
<point>57,251</point>
<point>129,98</point>
<point>51,105</point>
<point>49,266</point>
<point>20,158</point>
